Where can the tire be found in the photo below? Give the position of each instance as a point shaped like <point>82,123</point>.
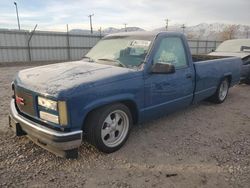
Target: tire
<point>108,127</point>
<point>247,81</point>
<point>221,92</point>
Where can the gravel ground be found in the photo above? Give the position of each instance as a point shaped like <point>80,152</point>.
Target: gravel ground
<point>205,145</point>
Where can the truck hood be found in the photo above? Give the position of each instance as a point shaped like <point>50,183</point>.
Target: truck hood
<point>56,78</point>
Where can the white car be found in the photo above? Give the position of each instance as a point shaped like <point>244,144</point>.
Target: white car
<point>238,48</point>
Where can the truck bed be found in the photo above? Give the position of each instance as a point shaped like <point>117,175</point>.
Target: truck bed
<point>210,72</point>
<point>205,57</point>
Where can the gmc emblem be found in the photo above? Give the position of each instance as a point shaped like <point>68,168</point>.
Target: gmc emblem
<point>20,100</point>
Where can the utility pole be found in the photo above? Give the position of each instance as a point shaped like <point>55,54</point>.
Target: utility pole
<point>125,27</point>
<point>100,31</point>
<point>90,21</point>
<point>183,28</point>
<point>167,21</point>
<point>17,15</point>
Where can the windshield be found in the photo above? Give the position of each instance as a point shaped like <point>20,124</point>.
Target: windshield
<point>238,45</point>
<point>120,51</point>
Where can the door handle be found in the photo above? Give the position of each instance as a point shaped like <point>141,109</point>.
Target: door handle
<point>188,76</point>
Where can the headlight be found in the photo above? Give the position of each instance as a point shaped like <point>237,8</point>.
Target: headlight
<point>61,116</point>
<point>49,117</point>
<point>47,103</point>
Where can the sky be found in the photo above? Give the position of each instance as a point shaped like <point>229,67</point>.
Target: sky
<point>148,14</point>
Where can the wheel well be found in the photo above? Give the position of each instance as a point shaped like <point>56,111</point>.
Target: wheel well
<point>229,77</point>
<point>130,104</point>
<point>133,109</point>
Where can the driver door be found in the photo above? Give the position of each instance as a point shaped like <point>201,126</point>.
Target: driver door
<point>165,93</point>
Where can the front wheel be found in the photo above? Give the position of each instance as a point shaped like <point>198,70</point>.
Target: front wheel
<point>221,92</point>
<point>108,127</point>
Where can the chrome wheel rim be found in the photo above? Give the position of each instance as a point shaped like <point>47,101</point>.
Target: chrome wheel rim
<point>115,128</point>
<point>223,90</point>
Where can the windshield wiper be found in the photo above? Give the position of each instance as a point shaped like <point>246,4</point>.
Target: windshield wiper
<point>89,58</point>
<point>113,60</point>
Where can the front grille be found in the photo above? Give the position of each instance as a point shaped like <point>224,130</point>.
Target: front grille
<point>28,106</point>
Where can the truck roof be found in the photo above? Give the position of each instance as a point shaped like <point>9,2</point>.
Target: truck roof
<point>146,35</point>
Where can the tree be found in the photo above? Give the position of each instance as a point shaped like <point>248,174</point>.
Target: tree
<point>229,32</point>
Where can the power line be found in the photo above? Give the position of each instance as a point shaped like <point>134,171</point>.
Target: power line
<point>90,22</point>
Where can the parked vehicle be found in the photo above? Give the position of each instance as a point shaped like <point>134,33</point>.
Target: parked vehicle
<point>238,48</point>
<point>127,78</point>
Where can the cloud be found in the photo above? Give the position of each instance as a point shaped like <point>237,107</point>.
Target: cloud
<point>147,14</point>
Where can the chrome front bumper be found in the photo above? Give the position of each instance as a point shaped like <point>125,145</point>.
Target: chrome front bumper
<point>54,141</point>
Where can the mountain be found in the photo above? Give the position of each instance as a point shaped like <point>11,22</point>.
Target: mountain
<point>82,31</point>
<point>209,31</point>
<point>201,31</point>
<point>110,30</point>
<point>106,31</point>
<point>115,30</point>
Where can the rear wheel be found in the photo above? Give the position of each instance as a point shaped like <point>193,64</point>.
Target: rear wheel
<point>108,127</point>
<point>221,92</point>
<point>247,81</point>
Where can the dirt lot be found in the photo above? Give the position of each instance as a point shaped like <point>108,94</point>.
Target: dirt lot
<point>205,145</point>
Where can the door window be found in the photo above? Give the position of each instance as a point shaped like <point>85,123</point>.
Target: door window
<point>171,50</point>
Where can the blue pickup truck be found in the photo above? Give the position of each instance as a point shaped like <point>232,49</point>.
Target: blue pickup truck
<point>126,79</point>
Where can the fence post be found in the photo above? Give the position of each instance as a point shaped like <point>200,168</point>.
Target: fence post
<point>31,35</point>
<point>206,47</point>
<point>197,47</point>
<point>29,51</point>
<point>215,45</point>
<point>68,47</point>
<point>27,43</point>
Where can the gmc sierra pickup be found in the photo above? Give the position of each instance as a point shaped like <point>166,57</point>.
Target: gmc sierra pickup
<point>127,78</point>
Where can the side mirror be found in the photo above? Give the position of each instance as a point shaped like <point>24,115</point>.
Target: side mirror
<point>163,68</point>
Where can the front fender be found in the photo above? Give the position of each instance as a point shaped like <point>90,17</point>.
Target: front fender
<point>104,101</point>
